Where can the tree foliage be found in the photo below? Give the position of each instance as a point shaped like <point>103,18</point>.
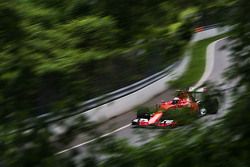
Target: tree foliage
<point>55,54</point>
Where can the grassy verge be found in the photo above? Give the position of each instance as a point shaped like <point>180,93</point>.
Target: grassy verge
<point>197,63</point>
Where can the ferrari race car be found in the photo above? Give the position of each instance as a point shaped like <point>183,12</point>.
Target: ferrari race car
<point>185,101</point>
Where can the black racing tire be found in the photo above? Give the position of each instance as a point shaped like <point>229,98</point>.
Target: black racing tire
<point>145,115</point>
<point>143,112</point>
<point>212,106</point>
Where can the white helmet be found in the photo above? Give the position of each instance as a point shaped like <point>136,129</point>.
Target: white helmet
<point>175,100</point>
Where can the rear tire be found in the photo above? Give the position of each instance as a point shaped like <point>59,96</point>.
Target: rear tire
<point>143,113</point>
<point>213,106</point>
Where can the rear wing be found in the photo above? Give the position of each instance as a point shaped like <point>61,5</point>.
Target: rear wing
<point>193,90</point>
<point>199,90</point>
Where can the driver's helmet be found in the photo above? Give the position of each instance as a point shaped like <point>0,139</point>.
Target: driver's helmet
<point>175,100</point>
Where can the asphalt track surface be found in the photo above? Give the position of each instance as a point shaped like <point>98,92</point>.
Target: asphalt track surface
<point>120,126</point>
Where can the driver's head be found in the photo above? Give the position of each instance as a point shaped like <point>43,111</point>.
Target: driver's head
<point>175,100</point>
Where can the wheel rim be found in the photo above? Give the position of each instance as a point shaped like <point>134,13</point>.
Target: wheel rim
<point>203,111</point>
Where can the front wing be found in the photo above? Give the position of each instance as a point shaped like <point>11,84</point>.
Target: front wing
<point>142,122</point>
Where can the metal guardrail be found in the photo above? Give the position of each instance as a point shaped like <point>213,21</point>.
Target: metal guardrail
<point>104,99</point>
<point>112,96</point>
<point>49,118</point>
<point>208,27</point>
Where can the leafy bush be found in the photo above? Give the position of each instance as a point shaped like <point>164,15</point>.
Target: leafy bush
<point>182,116</point>
<point>144,111</point>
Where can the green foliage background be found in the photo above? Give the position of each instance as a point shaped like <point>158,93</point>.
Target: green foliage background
<point>54,54</point>
<point>57,54</point>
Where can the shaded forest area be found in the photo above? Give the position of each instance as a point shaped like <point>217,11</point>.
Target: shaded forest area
<point>55,54</point>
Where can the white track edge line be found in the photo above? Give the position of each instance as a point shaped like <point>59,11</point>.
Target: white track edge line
<point>209,58</point>
<point>92,140</point>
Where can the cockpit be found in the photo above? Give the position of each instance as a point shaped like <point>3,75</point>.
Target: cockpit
<point>176,100</point>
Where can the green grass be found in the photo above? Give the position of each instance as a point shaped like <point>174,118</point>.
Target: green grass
<point>197,63</point>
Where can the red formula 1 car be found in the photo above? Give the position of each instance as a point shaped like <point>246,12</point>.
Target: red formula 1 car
<point>184,99</point>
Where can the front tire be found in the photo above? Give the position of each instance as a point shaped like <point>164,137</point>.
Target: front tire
<point>143,113</point>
